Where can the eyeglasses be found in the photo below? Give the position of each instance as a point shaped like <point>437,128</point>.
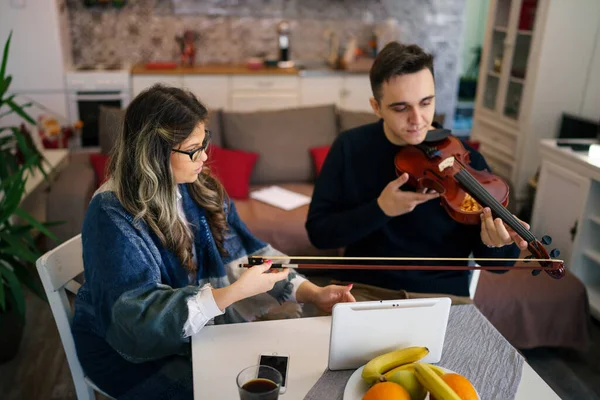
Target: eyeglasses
<point>196,153</point>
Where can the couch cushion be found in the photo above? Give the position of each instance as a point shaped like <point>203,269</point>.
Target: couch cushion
<point>284,230</point>
<point>352,119</point>
<point>215,126</point>
<point>233,169</point>
<point>110,122</point>
<point>99,162</point>
<point>319,154</point>
<point>282,138</point>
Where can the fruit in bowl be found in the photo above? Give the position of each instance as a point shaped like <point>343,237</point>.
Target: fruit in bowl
<point>387,391</point>
<point>403,368</point>
<point>408,380</point>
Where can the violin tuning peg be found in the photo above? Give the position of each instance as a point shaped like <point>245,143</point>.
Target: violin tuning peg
<point>536,272</point>
<point>546,240</point>
<point>555,253</point>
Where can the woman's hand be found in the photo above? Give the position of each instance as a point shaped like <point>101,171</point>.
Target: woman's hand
<point>255,280</point>
<point>324,297</point>
<point>494,233</point>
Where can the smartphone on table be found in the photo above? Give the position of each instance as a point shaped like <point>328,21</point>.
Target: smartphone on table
<point>278,361</point>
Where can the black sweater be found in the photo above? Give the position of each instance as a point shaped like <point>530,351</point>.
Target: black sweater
<point>344,213</point>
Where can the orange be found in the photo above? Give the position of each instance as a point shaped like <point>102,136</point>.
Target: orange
<point>386,391</point>
<point>461,385</point>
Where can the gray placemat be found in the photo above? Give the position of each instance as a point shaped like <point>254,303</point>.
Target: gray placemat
<point>472,347</point>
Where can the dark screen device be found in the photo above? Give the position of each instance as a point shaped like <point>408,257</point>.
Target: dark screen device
<point>278,361</point>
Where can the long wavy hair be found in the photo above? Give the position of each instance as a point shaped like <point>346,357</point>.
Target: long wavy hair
<point>156,121</point>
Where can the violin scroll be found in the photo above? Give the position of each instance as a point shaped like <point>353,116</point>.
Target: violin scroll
<point>554,268</point>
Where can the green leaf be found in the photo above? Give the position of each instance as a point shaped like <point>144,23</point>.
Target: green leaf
<point>4,84</point>
<point>15,287</point>
<point>20,246</point>
<point>19,254</point>
<point>5,57</point>
<point>35,223</point>
<point>13,189</point>
<point>19,110</point>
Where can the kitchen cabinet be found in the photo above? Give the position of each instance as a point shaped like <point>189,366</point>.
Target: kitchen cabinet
<point>211,90</point>
<point>527,79</point>
<point>348,92</point>
<point>356,93</point>
<point>247,93</point>
<point>256,93</point>
<point>567,207</point>
<point>141,82</point>
<point>321,90</point>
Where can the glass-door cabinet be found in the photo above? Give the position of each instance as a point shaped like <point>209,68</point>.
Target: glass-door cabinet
<point>503,73</point>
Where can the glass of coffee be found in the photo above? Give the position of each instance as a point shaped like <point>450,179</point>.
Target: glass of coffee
<point>259,382</point>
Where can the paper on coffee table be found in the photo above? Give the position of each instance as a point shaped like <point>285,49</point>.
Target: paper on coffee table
<point>280,197</point>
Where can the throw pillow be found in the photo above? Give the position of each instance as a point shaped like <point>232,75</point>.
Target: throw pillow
<point>282,139</point>
<point>319,154</point>
<point>233,168</point>
<point>99,162</point>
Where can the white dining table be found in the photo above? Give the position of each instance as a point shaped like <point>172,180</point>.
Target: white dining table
<point>220,352</point>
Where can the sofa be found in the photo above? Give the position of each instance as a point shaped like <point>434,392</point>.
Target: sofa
<point>285,147</point>
<point>249,151</point>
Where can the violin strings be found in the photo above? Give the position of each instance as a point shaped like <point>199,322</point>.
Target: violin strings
<point>479,191</point>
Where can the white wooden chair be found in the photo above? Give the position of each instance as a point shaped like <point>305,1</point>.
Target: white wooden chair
<point>57,269</point>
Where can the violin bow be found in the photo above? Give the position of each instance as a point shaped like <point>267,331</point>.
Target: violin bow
<point>395,263</point>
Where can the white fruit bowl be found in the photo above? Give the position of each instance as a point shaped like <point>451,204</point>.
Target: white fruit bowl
<point>357,387</point>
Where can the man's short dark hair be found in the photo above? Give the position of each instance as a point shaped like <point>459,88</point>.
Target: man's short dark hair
<point>397,59</point>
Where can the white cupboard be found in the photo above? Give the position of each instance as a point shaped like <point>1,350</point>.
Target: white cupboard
<point>567,207</point>
<point>539,59</point>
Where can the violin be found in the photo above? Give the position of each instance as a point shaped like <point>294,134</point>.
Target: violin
<point>442,163</point>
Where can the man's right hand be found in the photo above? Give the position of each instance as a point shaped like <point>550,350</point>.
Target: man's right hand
<point>393,201</point>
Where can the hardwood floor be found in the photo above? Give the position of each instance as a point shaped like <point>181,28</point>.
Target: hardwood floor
<point>40,370</point>
<point>571,375</point>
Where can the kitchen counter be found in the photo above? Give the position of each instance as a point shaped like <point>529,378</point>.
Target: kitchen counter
<point>216,69</point>
<point>140,69</point>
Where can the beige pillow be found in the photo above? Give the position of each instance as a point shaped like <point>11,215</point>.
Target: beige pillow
<point>282,139</point>
<point>214,125</point>
<point>352,119</point>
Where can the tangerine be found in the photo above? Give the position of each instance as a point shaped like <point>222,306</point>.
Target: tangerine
<point>461,385</point>
<point>386,391</point>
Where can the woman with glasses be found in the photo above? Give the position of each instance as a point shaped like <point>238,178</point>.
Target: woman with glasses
<point>161,248</point>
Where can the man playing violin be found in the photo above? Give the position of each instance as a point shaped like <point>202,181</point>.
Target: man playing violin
<point>359,203</point>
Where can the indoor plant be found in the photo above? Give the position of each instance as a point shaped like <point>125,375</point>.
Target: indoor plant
<point>18,252</point>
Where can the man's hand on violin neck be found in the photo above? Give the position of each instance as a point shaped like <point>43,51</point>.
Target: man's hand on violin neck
<point>393,201</point>
<point>495,233</point>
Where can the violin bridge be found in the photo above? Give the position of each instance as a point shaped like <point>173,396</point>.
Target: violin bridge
<point>447,163</point>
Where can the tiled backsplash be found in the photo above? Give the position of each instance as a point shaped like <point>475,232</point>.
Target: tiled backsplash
<point>230,31</point>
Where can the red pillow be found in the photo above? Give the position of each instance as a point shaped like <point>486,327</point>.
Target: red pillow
<point>319,154</point>
<point>233,168</point>
<point>99,162</point>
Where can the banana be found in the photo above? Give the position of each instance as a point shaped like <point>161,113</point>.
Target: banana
<point>374,370</point>
<point>411,367</point>
<point>437,370</point>
<point>434,383</point>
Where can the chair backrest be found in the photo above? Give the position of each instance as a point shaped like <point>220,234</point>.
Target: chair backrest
<point>57,269</point>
